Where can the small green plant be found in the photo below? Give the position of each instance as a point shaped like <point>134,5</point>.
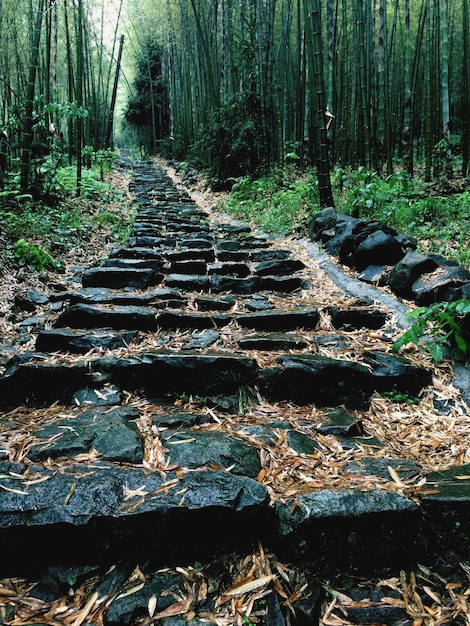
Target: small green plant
<point>32,256</point>
<point>399,396</point>
<point>448,324</point>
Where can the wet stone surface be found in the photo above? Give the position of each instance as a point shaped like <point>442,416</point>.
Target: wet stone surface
<point>187,383</point>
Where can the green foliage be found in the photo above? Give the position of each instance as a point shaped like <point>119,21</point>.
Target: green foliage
<point>33,256</point>
<point>231,144</point>
<point>448,324</point>
<point>435,221</point>
<point>276,204</point>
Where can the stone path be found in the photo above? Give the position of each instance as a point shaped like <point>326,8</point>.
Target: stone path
<point>196,396</point>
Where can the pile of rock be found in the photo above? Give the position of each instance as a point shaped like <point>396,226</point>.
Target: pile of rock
<point>383,257</point>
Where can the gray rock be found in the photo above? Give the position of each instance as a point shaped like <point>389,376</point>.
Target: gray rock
<point>356,318</point>
<point>169,319</point>
<point>378,248</point>
<point>111,432</point>
<point>438,285</point>
<point>395,373</point>
<point>349,503</point>
<point>321,221</point>
<point>407,271</point>
<point>279,267</point>
<point>188,282</point>
<point>235,285</point>
<point>117,317</point>
<point>316,379</point>
<point>276,320</point>
<point>271,341</point>
<point>81,342</point>
<point>118,278</point>
<point>200,448</point>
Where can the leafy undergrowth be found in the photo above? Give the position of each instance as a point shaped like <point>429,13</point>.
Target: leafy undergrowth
<point>282,204</point>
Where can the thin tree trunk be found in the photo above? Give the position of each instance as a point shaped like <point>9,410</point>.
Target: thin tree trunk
<point>28,121</point>
<point>466,88</point>
<point>79,127</point>
<point>407,133</point>
<point>445,87</point>
<point>314,49</point>
<point>109,132</point>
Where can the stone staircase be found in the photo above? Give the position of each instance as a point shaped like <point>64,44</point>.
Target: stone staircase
<point>195,397</point>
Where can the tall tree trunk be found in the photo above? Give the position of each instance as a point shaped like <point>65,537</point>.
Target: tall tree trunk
<point>407,132</point>
<point>444,52</point>
<point>28,121</point>
<point>466,88</point>
<point>428,138</point>
<point>317,91</point>
<point>109,143</point>
<point>79,125</point>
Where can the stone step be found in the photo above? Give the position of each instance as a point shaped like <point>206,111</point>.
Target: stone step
<point>102,316</point>
<point>120,278</point>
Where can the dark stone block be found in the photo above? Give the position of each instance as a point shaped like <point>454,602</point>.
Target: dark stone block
<point>271,341</point>
<point>152,242</point>
<point>191,255</point>
<point>199,321</point>
<point>119,278</point>
<point>164,371</point>
<point>375,275</point>
<point>436,286</point>
<point>321,221</point>
<point>279,267</point>
<point>131,264</point>
<point>279,320</point>
<point>118,317</point>
<point>199,448</point>
<point>359,524</point>
<point>233,255</point>
<point>225,303</point>
<point>81,342</point>
<point>188,282</point>
<point>100,295</point>
<point>265,256</point>
<point>188,267</point>
<point>239,270</point>
<point>354,318</point>
<point>315,379</point>
<point>378,248</point>
<point>342,423</point>
<point>136,253</point>
<point>111,432</point>
<point>202,340</point>
<point>282,284</point>
<point>395,373</point>
<point>235,285</point>
<point>407,271</point>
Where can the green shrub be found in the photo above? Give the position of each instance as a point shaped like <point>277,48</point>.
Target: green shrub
<point>33,256</point>
<point>448,326</point>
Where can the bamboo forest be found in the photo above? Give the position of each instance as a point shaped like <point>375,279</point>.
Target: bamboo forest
<point>238,88</point>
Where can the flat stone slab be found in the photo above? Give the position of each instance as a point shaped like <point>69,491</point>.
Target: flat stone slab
<point>224,303</point>
<point>279,320</point>
<point>188,282</point>
<point>356,318</point>
<point>244,286</point>
<point>279,267</point>
<point>282,284</point>
<point>206,254</point>
<point>316,379</point>
<point>111,432</point>
<point>118,317</point>
<point>136,253</point>
<point>197,448</point>
<point>119,278</point>
<point>81,342</point>
<point>359,524</point>
<point>100,295</point>
<point>271,341</point>
<point>198,321</point>
<point>238,270</point>
<point>104,514</point>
